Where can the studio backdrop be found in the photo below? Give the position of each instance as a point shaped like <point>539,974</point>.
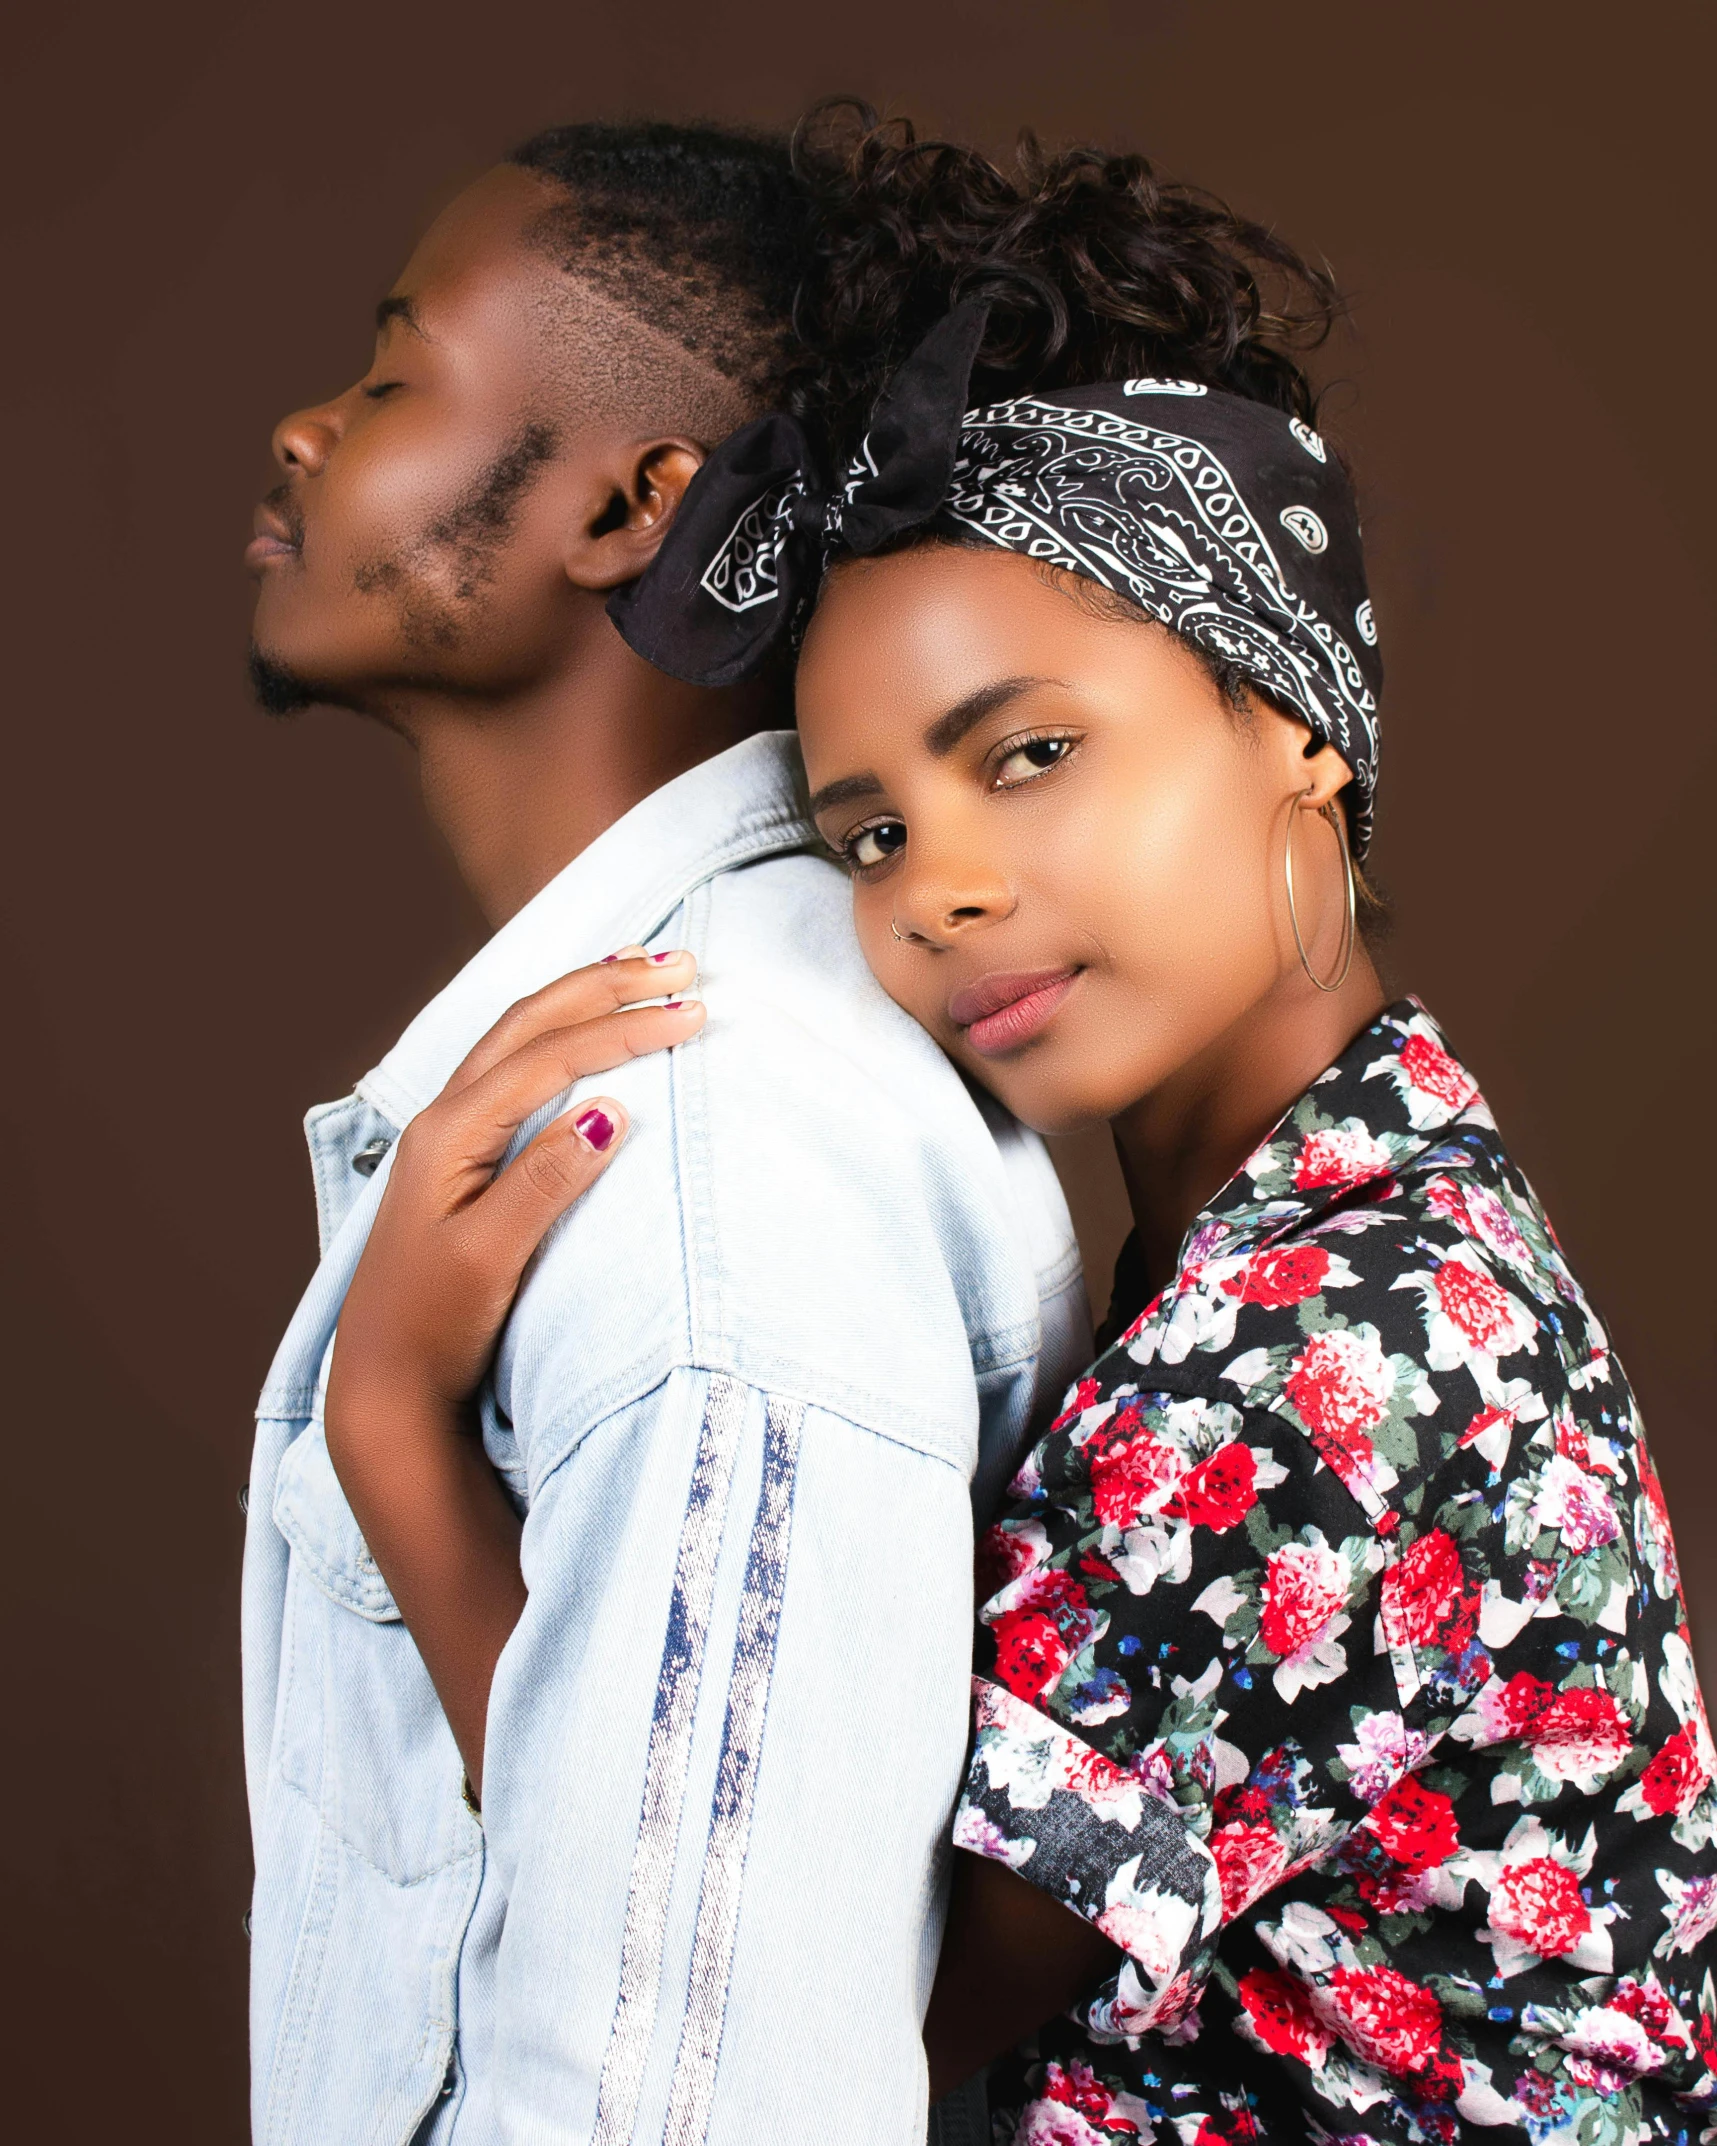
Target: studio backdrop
<point>215,920</point>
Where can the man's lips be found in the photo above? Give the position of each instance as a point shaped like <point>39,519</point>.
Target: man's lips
<point>1003,1010</point>
<point>279,535</point>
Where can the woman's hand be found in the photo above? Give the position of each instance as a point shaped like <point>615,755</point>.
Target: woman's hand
<point>450,1241</point>
<point>451,1238</point>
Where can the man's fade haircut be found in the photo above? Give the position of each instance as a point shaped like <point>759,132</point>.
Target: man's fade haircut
<point>703,233</point>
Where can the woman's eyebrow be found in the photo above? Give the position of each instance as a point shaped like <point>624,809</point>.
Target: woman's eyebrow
<point>843,791</point>
<point>947,730</point>
<point>940,739</point>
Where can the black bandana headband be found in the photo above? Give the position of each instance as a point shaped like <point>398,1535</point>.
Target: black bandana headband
<point>1223,518</point>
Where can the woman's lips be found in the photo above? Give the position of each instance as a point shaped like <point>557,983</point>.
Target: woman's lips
<point>1002,1011</point>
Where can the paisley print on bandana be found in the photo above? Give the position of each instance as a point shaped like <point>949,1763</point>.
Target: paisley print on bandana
<point>1334,1664</point>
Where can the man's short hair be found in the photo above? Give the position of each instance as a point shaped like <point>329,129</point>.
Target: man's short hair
<point>702,232</point>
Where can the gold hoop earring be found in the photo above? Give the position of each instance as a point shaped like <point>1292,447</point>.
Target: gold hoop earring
<point>1338,820</point>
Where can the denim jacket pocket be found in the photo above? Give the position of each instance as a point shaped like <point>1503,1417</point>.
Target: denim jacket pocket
<point>310,1510</point>
<point>360,1733</point>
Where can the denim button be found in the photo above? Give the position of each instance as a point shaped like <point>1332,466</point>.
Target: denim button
<point>366,1159</point>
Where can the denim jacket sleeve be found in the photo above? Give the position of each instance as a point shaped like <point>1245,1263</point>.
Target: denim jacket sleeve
<point>723,1746</point>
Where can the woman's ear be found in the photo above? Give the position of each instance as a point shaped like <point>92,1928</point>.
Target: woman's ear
<point>634,494</point>
<point>1312,768</point>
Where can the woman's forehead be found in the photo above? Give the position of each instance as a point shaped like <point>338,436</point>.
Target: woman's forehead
<point>900,641</point>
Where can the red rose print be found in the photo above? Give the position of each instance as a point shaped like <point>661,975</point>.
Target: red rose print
<point>1675,1775</point>
<point>1083,1396</point>
<point>1002,1556</point>
<point>1056,1594</point>
<point>1649,2003</point>
<point>1572,1443</point>
<point>1305,1586</point>
<point>1249,1860</point>
<point>1339,1156</point>
<point>1234,2127</point>
<point>1283,1274</point>
<point>1079,2088</point>
<point>1483,1310</point>
<point>1341,1385</point>
<point>1434,1073</point>
<point>1416,1824</point>
<point>1219,1492</point>
<point>1422,1592</point>
<point>1580,1732</point>
<point>1577,1506</point>
<point>1052,1589</point>
<point>1520,1705</point>
<point>1538,1904</point>
<point>1340,1381</point>
<point>1387,2020</point>
<point>1133,1476</point>
<point>1030,1653</point>
<point>1487,1419</point>
<point>1390,1889</point>
<point>1283,2016</point>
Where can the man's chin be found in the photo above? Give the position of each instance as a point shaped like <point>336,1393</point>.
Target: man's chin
<point>281,689</point>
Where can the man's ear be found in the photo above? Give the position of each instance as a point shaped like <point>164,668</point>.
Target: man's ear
<point>635,492</point>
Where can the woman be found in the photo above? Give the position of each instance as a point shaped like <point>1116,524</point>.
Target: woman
<point>1340,1770</point>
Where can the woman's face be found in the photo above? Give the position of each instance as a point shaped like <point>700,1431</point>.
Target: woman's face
<point>1066,847</point>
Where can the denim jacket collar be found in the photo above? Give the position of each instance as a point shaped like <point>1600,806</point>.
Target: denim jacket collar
<point>743,805</point>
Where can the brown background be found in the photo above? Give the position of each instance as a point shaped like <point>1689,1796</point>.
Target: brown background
<point>215,921</point>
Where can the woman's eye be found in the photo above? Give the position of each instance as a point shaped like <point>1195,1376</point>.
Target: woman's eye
<point>1033,756</point>
<point>875,844</point>
<point>378,389</point>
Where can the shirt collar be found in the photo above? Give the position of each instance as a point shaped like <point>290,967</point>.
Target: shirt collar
<point>744,804</point>
<point>1396,1093</point>
<point>1394,1096</point>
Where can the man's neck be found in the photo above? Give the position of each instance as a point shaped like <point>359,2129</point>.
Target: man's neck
<point>519,787</point>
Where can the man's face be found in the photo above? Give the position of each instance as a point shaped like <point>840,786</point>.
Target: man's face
<point>418,536</point>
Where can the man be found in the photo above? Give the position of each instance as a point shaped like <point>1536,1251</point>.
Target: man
<point>755,1378</point>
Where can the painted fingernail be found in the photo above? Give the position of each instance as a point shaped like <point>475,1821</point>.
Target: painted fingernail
<point>679,1005</point>
<point>660,961</point>
<point>596,1128</point>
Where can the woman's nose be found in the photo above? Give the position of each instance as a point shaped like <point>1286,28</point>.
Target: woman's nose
<point>936,907</point>
<point>305,440</point>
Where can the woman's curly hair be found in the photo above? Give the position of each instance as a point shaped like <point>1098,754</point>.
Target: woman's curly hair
<point>1097,269</point>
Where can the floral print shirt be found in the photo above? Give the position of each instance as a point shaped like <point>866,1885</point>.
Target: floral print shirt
<point>1335,1665</point>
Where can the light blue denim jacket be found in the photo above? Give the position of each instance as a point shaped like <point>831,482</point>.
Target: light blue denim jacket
<point>747,1396</point>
